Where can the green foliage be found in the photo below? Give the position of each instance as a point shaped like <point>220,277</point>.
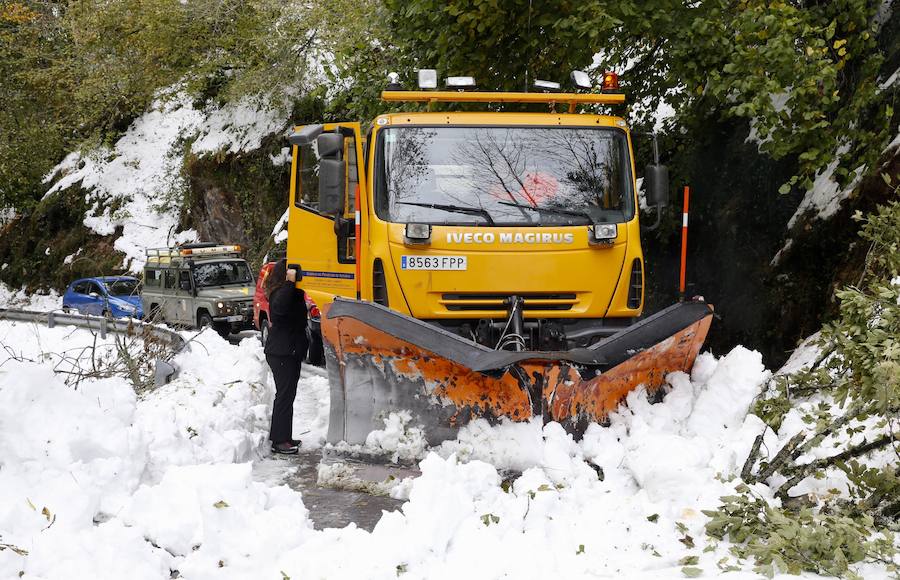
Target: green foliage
<point>805,74</point>
<point>862,366</point>
<point>780,541</point>
<point>859,369</point>
<point>505,43</point>
<point>77,73</point>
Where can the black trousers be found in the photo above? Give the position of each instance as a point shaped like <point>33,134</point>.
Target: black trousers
<point>286,370</point>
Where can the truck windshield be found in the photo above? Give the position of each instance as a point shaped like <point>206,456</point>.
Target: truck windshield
<point>516,175</point>
<point>221,273</point>
<point>122,287</point>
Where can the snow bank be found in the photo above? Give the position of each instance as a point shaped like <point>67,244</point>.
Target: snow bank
<point>138,184</point>
<point>88,474</point>
<point>10,298</point>
<point>142,487</point>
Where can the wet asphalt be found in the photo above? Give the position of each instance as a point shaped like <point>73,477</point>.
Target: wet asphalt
<point>328,507</point>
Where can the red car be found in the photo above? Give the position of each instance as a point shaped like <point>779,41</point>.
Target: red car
<point>316,353</point>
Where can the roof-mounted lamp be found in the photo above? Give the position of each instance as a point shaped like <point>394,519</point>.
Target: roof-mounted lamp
<point>547,86</point>
<point>581,79</point>
<point>610,82</point>
<point>460,83</point>
<point>428,78</point>
<point>394,82</point>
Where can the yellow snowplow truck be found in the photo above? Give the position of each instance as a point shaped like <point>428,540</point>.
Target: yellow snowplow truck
<point>481,263</point>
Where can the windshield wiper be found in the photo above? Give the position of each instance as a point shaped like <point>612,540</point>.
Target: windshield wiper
<point>454,208</point>
<point>556,210</point>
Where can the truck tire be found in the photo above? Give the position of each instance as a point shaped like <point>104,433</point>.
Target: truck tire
<point>263,330</point>
<point>315,354</point>
<point>204,319</point>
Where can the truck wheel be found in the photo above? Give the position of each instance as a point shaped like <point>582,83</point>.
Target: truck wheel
<point>315,355</point>
<point>155,314</point>
<point>204,320</point>
<point>264,331</point>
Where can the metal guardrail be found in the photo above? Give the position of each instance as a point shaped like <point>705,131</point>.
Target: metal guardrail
<point>164,371</point>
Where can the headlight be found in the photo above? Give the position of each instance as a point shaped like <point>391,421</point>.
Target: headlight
<point>418,233</point>
<point>128,308</point>
<point>221,305</point>
<point>605,232</point>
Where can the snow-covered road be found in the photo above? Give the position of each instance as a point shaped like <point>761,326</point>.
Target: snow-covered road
<point>99,483</point>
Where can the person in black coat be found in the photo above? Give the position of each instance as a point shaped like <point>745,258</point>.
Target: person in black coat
<point>285,349</point>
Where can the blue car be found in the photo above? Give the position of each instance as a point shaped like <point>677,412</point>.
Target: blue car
<point>113,296</point>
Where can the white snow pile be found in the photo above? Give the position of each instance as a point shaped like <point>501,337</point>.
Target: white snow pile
<point>825,198</point>
<point>97,483</point>
<point>137,185</point>
<point>10,298</point>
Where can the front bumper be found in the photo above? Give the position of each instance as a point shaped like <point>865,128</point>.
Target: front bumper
<point>236,314</point>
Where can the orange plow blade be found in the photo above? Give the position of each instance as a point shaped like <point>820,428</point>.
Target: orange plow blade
<point>381,361</point>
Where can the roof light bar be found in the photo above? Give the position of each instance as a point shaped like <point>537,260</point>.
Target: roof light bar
<point>210,250</point>
<point>570,99</point>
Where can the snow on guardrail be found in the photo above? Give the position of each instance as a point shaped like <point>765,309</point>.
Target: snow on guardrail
<point>164,370</point>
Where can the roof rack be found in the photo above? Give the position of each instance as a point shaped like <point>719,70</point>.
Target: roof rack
<point>571,99</point>
<point>188,251</point>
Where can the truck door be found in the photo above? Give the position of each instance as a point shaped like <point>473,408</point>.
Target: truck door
<point>96,303</point>
<point>323,245</point>
<point>169,304</point>
<point>185,291</point>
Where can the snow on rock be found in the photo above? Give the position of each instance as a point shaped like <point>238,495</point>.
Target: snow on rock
<point>280,231</point>
<point>239,127</point>
<point>137,185</point>
<point>10,298</point>
<point>825,198</point>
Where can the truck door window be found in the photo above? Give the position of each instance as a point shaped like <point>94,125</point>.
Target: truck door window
<point>346,227</point>
<point>170,279</point>
<point>184,277</point>
<point>152,278</point>
<point>307,187</point>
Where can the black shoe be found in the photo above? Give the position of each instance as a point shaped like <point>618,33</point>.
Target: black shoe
<point>285,448</point>
<point>297,442</point>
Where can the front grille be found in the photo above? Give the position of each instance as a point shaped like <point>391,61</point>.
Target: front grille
<point>233,308</point>
<point>379,283</point>
<point>636,288</point>
<point>533,301</point>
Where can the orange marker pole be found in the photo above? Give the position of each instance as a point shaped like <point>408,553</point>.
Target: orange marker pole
<point>357,243</point>
<point>684,232</point>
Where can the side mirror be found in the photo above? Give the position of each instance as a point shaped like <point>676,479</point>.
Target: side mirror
<point>656,185</point>
<point>332,173</point>
<point>94,295</point>
<point>332,182</point>
<point>306,135</point>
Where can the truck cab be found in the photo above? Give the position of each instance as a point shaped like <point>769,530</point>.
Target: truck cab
<point>460,218</point>
<point>197,285</point>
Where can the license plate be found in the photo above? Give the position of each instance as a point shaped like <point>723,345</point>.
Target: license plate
<point>234,318</point>
<point>433,263</point>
